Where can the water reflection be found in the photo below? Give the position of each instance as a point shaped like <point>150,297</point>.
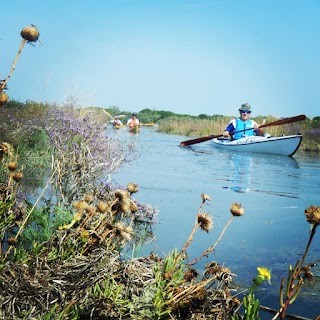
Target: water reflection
<point>244,170</point>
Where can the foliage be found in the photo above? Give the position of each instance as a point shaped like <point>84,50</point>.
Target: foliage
<point>83,154</point>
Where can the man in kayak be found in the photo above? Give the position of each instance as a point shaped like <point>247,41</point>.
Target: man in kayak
<point>117,122</point>
<point>243,126</point>
<point>133,121</point>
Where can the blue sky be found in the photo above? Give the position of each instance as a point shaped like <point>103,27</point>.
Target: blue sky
<point>184,56</point>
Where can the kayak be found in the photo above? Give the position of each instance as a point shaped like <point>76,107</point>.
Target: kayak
<point>284,145</point>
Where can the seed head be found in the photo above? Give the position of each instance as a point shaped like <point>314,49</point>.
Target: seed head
<point>80,205</point>
<point>91,210</point>
<point>205,197</point>
<point>312,214</point>
<point>12,241</point>
<point>190,274</point>
<point>205,221</point>
<point>102,207</point>
<point>126,233</point>
<point>12,165</point>
<point>6,148</point>
<point>121,194</point>
<point>236,209</point>
<point>3,98</point>
<point>88,198</point>
<point>132,187</point>
<point>30,33</point>
<point>17,176</point>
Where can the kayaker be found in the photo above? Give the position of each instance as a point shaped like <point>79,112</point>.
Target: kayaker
<point>244,124</point>
<point>117,122</point>
<point>133,121</point>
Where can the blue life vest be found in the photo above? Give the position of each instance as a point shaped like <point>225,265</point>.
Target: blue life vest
<point>240,125</point>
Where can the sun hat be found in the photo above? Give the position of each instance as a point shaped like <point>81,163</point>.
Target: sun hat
<point>245,107</point>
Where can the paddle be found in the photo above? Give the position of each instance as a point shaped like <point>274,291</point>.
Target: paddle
<point>141,124</point>
<point>108,114</point>
<point>275,123</point>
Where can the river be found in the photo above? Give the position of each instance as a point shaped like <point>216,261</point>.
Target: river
<point>273,190</point>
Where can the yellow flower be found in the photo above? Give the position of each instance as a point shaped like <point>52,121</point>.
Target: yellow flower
<point>264,273</point>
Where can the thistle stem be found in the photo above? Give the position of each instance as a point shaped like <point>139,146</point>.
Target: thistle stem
<point>210,249</point>
<point>313,231</point>
<point>14,64</point>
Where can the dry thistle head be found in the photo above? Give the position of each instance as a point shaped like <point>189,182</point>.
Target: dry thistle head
<point>6,148</point>
<point>122,231</point>
<point>132,187</point>
<point>12,241</point>
<point>91,209</point>
<point>12,165</point>
<point>126,233</point>
<point>205,197</point>
<point>205,221</point>
<point>3,98</point>
<point>121,194</point>
<point>17,176</point>
<point>102,207</point>
<point>212,268</point>
<point>30,33</point>
<point>236,209</point>
<point>80,205</point>
<point>312,214</point>
<point>190,274</point>
<point>88,198</point>
<point>307,274</point>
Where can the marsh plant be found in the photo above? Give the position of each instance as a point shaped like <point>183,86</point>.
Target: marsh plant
<point>12,202</point>
<point>83,155</point>
<point>301,271</point>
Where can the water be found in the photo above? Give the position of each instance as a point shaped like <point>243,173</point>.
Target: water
<point>274,191</point>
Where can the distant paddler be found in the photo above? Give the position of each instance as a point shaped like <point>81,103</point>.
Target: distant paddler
<point>133,123</point>
<point>117,122</point>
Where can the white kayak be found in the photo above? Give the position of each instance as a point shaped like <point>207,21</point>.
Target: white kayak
<point>284,145</point>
